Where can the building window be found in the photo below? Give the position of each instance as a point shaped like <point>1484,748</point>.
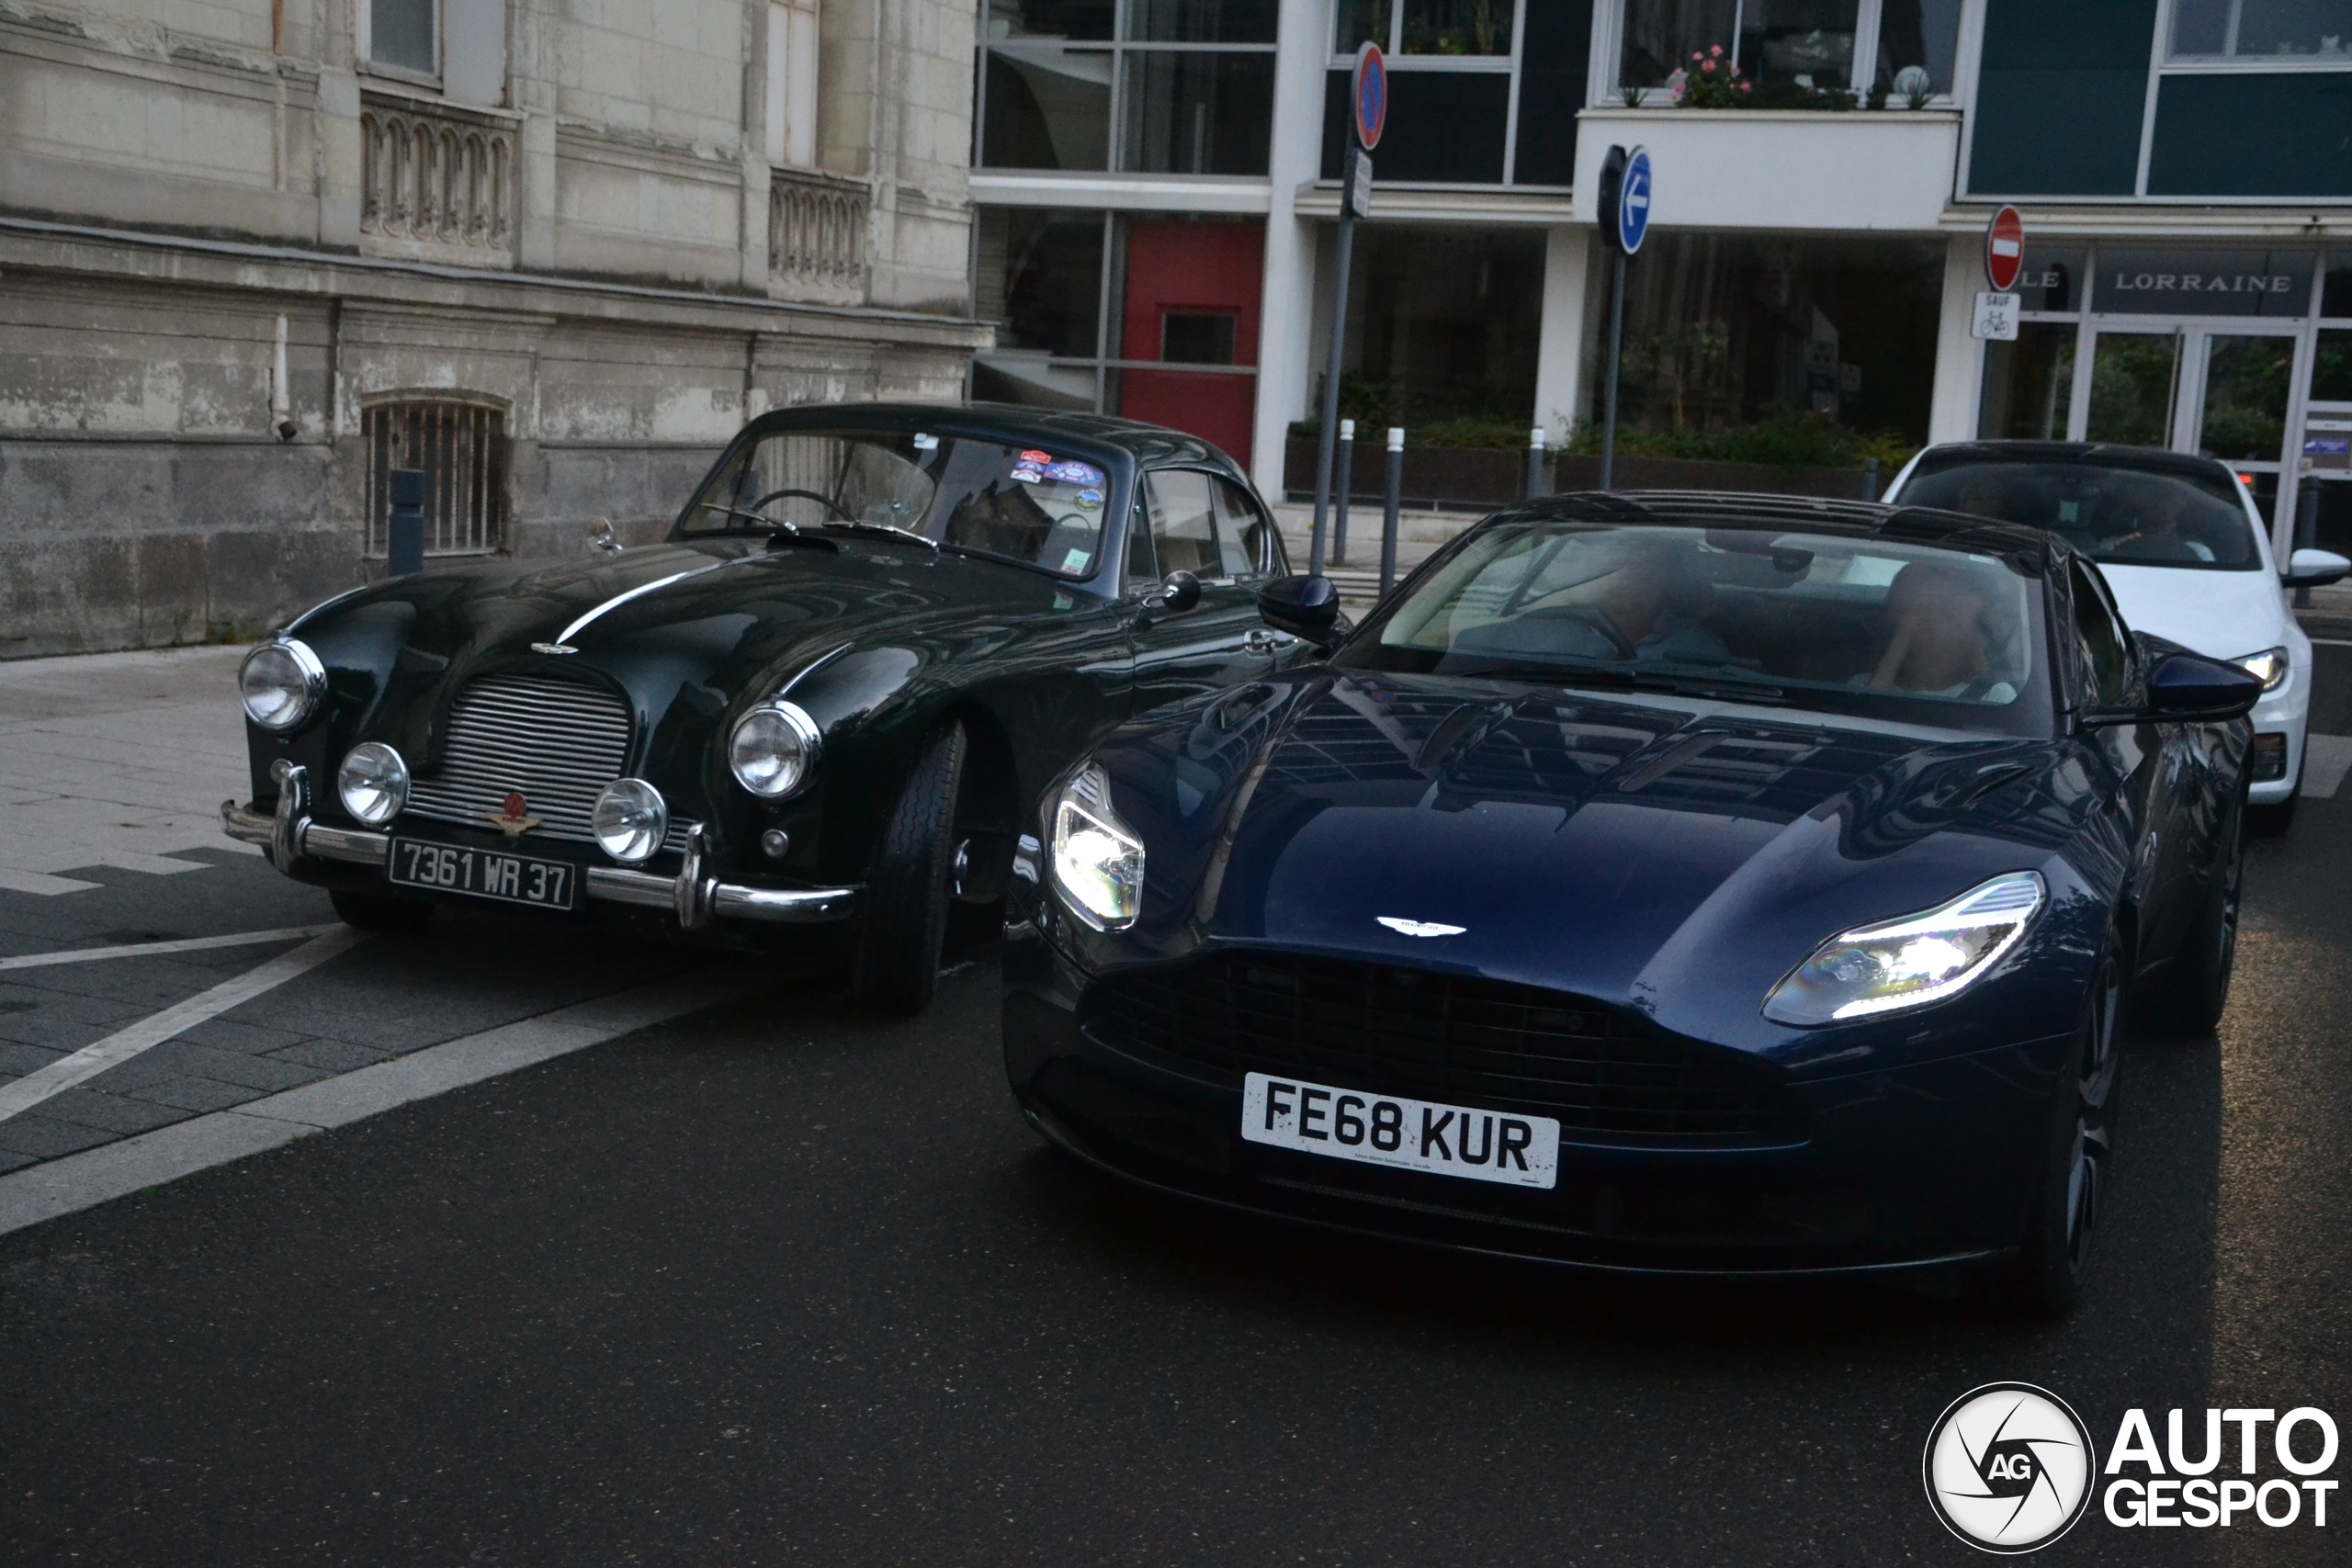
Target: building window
<point>1137,86</point>
<point>792,85</point>
<point>403,34</point>
<point>1443,326</point>
<point>2305,32</point>
<point>1480,92</point>
<point>1791,50</point>
<point>1154,318</point>
<point>461,447</point>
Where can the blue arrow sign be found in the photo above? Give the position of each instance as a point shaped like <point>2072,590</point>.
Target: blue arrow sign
<point>1633,201</point>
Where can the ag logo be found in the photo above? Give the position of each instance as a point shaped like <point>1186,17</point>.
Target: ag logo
<point>2009,1467</point>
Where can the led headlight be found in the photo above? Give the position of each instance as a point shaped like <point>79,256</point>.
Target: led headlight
<point>281,683</point>
<point>629,820</point>
<point>1911,962</point>
<point>373,782</point>
<point>774,749</point>
<point>1096,860</point>
<point>2268,668</point>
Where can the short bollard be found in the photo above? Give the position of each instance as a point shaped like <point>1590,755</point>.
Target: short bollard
<point>1870,478</point>
<point>1339,493</point>
<point>1535,483</point>
<point>406,536</point>
<point>1389,506</point>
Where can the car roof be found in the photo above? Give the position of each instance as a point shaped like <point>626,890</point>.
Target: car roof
<point>1707,509</point>
<point>2090,454</point>
<point>1146,444</point>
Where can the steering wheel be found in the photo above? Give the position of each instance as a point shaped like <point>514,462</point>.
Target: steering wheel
<point>827,502</point>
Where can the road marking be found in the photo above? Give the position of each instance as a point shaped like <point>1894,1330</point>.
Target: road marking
<point>181,945</point>
<point>2327,758</point>
<point>114,1170</point>
<point>149,1033</point>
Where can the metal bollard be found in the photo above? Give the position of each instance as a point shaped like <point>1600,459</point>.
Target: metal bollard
<point>1339,493</point>
<point>1870,478</point>
<point>406,535</point>
<point>1390,504</point>
<point>1535,485</point>
<point>2306,532</point>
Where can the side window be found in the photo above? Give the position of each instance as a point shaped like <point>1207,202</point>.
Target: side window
<point>1183,526</point>
<point>1143,562</point>
<point>2105,652</point>
<point>1246,540</point>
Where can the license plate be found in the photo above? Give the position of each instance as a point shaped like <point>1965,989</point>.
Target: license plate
<point>1408,1134</point>
<point>482,874</point>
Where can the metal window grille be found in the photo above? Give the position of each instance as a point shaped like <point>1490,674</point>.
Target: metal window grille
<point>462,449</point>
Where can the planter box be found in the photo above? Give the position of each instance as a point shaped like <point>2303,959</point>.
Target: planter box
<point>1749,170</point>
<point>1469,477</point>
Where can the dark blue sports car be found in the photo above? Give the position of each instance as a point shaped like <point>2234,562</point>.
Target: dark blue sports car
<point>1670,883</point>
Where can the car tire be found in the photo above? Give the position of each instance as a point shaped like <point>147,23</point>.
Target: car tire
<point>2044,1280</point>
<point>379,911</point>
<point>902,919</point>
<point>2193,997</point>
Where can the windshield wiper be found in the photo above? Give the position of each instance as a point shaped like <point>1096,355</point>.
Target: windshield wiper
<point>863,526</point>
<point>764,525</point>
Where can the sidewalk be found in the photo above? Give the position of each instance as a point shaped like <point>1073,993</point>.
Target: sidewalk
<point>116,759</point>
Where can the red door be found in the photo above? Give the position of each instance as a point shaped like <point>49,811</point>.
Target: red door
<point>1192,289</point>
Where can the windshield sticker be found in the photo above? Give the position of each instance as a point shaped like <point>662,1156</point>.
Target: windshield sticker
<point>1034,456</point>
<point>926,442</point>
<point>1028,475</point>
<point>1075,473</point>
<point>1076,560</point>
<point>1090,499</point>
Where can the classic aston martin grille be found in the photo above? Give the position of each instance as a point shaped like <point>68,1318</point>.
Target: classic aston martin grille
<point>1606,1075</point>
<point>556,743</point>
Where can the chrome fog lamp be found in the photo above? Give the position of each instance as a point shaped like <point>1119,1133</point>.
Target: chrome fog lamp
<point>281,682</point>
<point>1096,860</point>
<point>1911,962</point>
<point>2270,668</point>
<point>630,821</point>
<point>774,749</point>
<point>373,782</point>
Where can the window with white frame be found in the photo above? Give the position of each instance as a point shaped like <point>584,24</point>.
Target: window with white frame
<point>1791,50</point>
<point>2298,31</point>
<point>792,83</point>
<point>403,34</point>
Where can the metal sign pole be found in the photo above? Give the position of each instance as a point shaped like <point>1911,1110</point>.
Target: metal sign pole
<point>1368,112</point>
<point>1328,438</point>
<point>1616,349</point>
<point>1624,203</point>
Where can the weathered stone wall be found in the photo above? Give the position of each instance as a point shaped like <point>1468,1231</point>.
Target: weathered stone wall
<point>176,177</point>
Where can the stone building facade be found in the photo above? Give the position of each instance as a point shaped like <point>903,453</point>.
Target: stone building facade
<point>255,253</point>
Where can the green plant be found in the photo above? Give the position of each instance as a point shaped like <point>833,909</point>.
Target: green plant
<point>1783,438</point>
<point>1631,97</point>
<point>1712,81</point>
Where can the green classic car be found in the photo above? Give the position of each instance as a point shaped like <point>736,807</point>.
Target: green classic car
<point>871,638</point>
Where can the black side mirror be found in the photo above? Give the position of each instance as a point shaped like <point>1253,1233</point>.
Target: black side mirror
<point>1306,607</point>
<point>1177,592</point>
<point>2185,688</point>
<point>2314,569</point>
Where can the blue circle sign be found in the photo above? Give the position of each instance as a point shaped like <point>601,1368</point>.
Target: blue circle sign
<point>1368,92</point>
<point>1633,201</point>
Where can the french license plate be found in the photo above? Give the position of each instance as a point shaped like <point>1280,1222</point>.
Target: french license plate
<point>484,873</point>
<point>1409,1135</point>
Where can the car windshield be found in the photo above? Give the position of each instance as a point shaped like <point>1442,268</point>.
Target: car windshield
<point>1039,507</point>
<point>1903,632</point>
<point>2118,516</point>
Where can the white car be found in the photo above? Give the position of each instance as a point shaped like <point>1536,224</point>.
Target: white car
<point>2186,553</point>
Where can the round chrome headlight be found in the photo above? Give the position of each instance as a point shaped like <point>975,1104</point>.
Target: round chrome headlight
<point>630,821</point>
<point>774,749</point>
<point>373,782</point>
<point>281,683</point>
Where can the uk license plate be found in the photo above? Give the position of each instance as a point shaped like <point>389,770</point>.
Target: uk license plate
<point>1408,1134</point>
<point>482,874</point>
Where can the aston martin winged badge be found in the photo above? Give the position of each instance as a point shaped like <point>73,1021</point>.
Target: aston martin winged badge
<point>1403,927</point>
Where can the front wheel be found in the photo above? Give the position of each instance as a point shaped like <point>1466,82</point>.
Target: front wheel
<point>2044,1280</point>
<point>902,919</point>
<point>2193,1000</point>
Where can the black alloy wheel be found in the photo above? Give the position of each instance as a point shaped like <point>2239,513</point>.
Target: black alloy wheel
<point>2044,1280</point>
<point>2193,1000</point>
<point>902,918</point>
<point>379,911</point>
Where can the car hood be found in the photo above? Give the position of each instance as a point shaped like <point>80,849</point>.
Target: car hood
<point>2222,614</point>
<point>1660,852</point>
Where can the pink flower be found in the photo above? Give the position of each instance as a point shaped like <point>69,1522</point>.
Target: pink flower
<point>1717,52</point>
<point>1707,68</point>
<point>1743,86</point>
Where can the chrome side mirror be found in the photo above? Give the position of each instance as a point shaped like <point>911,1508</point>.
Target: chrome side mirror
<point>601,537</point>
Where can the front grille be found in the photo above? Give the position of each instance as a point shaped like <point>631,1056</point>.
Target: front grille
<point>556,743</point>
<point>1604,1072</point>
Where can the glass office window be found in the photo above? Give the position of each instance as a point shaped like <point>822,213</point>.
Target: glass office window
<point>2224,30</point>
<point>1787,49</point>
<point>1442,322</point>
<point>1197,113</point>
<point>2029,384</point>
<point>1662,35</point>
<point>1463,74</point>
<point>1799,43</point>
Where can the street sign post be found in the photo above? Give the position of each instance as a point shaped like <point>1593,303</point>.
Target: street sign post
<point>1996,319</point>
<point>1624,214</point>
<point>1367,115</point>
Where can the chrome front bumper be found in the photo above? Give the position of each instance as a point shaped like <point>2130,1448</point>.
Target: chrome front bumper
<point>288,837</point>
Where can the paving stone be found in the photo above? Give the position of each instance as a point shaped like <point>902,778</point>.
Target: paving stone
<point>11,1161</point>
<point>333,1056</point>
<point>87,1107</point>
<point>186,1093</point>
<point>42,1137</point>
<point>175,1059</point>
<point>16,1060</point>
<point>248,1039</point>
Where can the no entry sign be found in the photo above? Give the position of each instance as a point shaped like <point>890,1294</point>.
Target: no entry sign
<point>1368,92</point>
<point>2003,249</point>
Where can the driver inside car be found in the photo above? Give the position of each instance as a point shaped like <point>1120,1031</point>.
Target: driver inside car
<point>1641,606</point>
<point>1945,626</point>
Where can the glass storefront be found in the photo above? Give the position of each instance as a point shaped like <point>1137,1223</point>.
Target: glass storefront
<point>1443,324</point>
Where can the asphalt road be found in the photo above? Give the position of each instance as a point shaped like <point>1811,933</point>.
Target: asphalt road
<point>785,1282</point>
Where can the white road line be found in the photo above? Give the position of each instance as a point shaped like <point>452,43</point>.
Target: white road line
<point>145,949</point>
<point>113,1170</point>
<point>149,1033</point>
